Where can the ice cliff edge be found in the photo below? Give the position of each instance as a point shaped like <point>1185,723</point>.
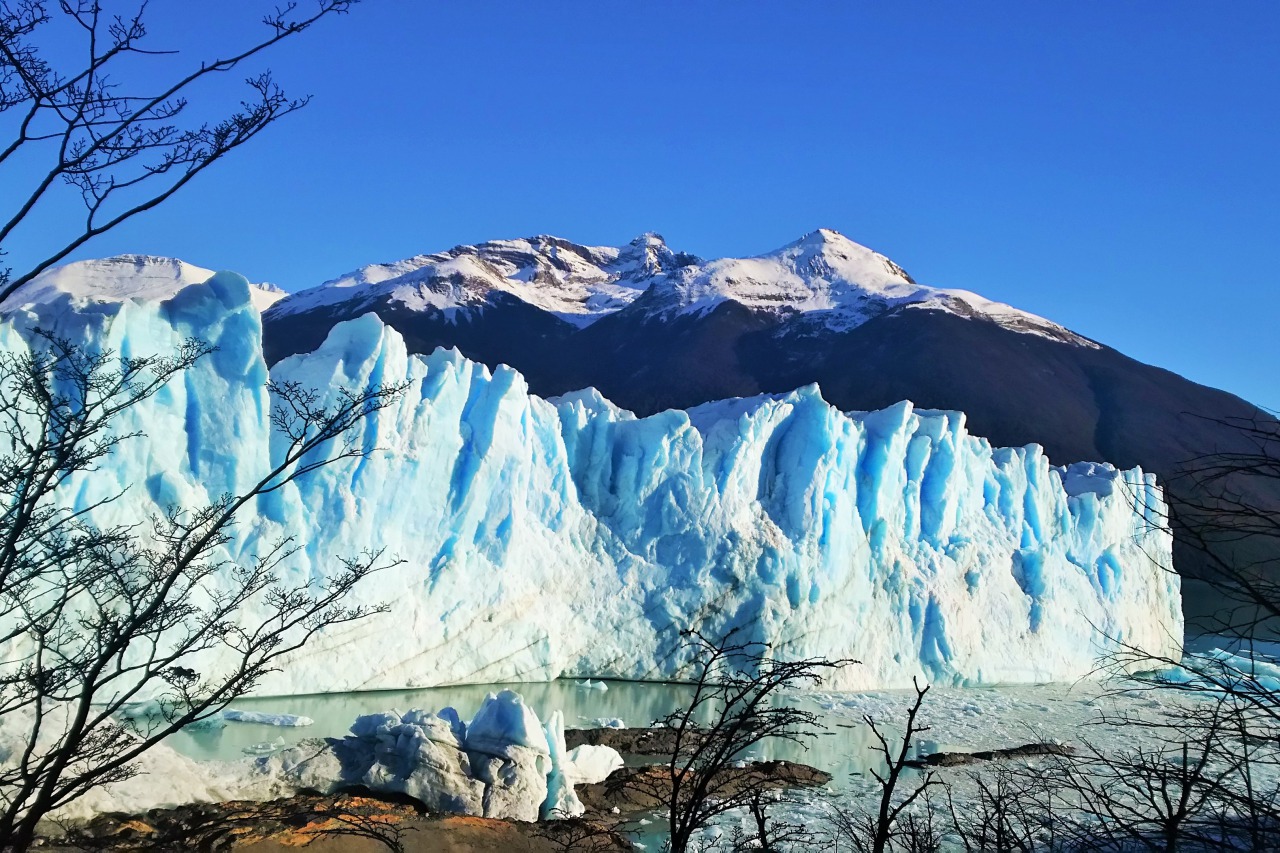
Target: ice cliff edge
<point>567,537</point>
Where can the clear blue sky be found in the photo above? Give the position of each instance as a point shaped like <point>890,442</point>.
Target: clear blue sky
<point>1115,167</point>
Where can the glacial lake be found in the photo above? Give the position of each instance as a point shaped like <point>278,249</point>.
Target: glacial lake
<point>965,719</point>
<point>960,719</point>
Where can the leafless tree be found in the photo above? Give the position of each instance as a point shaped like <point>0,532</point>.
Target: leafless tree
<point>1194,776</point>
<point>891,807</point>
<point>1194,779</point>
<point>122,150</point>
<point>919,830</point>
<point>1008,810</point>
<point>568,834</point>
<point>735,707</point>
<point>1212,770</point>
<point>888,828</point>
<point>767,834</point>
<point>1225,507</point>
<point>93,618</point>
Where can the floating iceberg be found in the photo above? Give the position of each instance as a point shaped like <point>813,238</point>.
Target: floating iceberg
<point>548,538</point>
<point>266,719</point>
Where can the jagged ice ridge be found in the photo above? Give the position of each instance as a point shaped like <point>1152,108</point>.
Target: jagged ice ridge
<point>566,537</point>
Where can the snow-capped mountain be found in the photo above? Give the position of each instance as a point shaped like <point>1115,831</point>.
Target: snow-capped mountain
<point>823,278</point>
<point>578,284</point>
<point>827,280</point>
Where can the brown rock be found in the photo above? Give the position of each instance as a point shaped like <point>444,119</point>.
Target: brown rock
<point>340,823</point>
<point>636,790</point>
<point>961,759</point>
<point>656,741</point>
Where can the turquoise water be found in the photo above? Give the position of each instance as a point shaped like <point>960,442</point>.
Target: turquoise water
<point>636,703</point>
<point>843,749</point>
<point>958,719</point>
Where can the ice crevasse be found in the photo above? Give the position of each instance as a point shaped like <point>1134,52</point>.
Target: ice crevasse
<point>566,537</point>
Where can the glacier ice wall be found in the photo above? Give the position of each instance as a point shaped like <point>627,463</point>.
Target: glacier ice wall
<point>543,538</point>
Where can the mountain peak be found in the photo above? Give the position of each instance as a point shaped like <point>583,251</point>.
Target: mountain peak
<point>829,254</point>
<point>648,256</point>
<point>648,238</point>
<point>825,235</point>
<point>826,238</point>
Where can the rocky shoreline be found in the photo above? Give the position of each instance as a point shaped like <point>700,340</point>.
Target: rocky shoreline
<point>357,819</point>
<point>326,823</point>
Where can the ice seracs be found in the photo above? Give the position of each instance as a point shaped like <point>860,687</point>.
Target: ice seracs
<point>570,538</point>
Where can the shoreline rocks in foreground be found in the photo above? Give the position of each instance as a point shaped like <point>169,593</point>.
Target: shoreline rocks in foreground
<point>341,823</point>
<point>353,818</point>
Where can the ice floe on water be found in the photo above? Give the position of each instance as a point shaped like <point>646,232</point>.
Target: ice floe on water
<point>267,719</point>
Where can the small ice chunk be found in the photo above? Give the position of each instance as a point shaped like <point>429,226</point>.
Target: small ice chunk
<point>608,723</point>
<point>266,747</point>
<point>588,764</point>
<point>368,725</point>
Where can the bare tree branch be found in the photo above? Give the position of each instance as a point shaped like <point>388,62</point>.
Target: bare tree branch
<point>123,152</point>
<point>94,619</point>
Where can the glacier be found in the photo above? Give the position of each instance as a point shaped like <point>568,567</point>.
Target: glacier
<point>568,538</point>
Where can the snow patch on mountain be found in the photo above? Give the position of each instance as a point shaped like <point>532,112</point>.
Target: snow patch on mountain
<point>821,272</point>
<point>120,278</point>
<point>828,279</point>
<point>578,284</point>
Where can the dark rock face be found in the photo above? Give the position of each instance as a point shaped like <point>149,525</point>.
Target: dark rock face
<point>647,742</point>
<point>507,331</point>
<point>636,790</point>
<point>963,759</point>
